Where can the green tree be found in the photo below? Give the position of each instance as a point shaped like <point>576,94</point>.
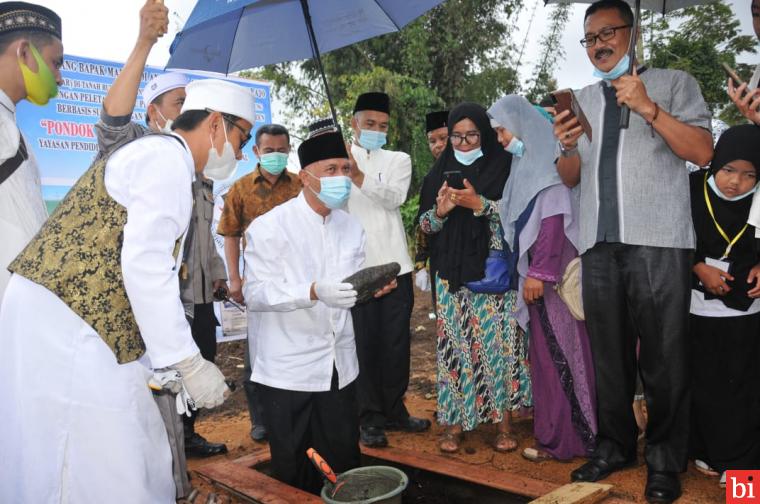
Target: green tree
<point>704,37</point>
<point>410,101</point>
<point>551,51</point>
<point>461,50</point>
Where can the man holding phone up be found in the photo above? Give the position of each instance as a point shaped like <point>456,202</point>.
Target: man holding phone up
<point>636,241</point>
<point>380,182</point>
<point>746,96</point>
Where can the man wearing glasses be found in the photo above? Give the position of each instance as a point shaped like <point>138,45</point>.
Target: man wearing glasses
<point>202,269</point>
<point>636,241</point>
<point>102,272</point>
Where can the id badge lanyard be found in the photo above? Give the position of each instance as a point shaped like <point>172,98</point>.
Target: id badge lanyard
<point>729,241</point>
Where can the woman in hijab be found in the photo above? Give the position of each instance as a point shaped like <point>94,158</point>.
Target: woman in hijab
<point>482,354</point>
<point>538,214</point>
<point>725,310</point>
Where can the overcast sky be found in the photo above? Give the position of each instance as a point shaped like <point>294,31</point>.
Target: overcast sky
<point>108,30</point>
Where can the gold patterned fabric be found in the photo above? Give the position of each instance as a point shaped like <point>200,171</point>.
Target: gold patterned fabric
<point>77,256</point>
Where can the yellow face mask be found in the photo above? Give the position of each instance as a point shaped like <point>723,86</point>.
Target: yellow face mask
<point>40,85</point>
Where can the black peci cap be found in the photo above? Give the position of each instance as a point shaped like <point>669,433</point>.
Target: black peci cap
<point>320,147</point>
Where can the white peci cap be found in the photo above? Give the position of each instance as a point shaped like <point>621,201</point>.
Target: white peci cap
<point>221,96</point>
<point>162,83</point>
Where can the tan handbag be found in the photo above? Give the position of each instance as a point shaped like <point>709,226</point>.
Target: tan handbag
<point>569,289</point>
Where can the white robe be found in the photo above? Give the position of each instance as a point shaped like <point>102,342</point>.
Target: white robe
<point>75,426</point>
<point>22,210</point>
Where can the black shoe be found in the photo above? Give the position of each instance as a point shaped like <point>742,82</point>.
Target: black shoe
<point>373,437</point>
<point>197,446</point>
<point>597,469</point>
<point>259,434</point>
<point>662,487</point>
<point>411,424</point>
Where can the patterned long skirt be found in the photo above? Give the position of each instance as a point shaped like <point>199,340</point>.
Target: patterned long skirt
<point>482,357</point>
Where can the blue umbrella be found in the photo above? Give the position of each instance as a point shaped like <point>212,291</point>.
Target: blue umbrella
<point>225,36</point>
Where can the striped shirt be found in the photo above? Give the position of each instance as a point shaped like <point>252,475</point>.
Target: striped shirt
<point>651,182</point>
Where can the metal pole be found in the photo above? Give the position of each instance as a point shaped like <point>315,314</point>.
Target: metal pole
<point>625,112</point>
<point>315,52</point>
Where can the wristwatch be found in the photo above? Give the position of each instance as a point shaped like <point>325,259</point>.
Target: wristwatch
<point>567,152</point>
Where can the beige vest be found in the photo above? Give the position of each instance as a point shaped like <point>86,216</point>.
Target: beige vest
<point>77,256</point>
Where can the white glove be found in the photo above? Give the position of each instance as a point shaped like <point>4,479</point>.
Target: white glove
<point>203,381</point>
<point>170,380</point>
<point>336,295</point>
<point>422,280</point>
<point>166,380</point>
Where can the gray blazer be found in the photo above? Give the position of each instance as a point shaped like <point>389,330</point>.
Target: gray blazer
<point>652,182</point>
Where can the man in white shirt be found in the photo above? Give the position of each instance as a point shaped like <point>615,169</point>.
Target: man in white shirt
<point>31,55</point>
<point>203,270</point>
<point>83,426</point>
<point>381,181</point>
<point>296,257</point>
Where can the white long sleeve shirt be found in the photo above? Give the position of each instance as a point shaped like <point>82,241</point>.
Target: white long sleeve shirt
<point>296,341</point>
<point>152,178</point>
<point>22,210</point>
<point>387,175</point>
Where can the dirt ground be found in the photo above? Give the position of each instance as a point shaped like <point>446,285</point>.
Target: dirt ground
<point>230,424</point>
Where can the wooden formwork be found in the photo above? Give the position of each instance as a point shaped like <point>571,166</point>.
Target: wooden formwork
<point>240,478</point>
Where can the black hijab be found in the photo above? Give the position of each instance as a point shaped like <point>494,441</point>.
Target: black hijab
<point>460,249</point>
<point>738,142</point>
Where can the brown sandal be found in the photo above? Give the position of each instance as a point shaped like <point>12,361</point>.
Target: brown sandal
<point>449,442</point>
<point>504,442</point>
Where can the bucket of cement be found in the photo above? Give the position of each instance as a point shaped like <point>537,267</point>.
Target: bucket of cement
<point>363,485</point>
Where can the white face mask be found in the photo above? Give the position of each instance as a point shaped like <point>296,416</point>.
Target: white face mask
<point>224,166</point>
<point>167,127</point>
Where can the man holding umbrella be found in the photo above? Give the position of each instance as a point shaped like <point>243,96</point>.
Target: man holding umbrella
<point>381,180</point>
<point>636,241</point>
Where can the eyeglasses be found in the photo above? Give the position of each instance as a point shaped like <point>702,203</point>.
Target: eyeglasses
<point>604,35</point>
<point>470,138</point>
<point>246,135</point>
<point>231,120</point>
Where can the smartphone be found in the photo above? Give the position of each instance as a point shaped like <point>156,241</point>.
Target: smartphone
<point>454,179</point>
<point>564,99</point>
<point>732,73</point>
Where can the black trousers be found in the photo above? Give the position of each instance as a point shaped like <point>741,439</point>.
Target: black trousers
<point>631,291</point>
<point>383,344</point>
<point>203,327</point>
<point>251,395</point>
<point>725,373</point>
<point>296,421</point>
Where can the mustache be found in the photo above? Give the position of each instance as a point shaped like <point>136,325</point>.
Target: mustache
<point>605,51</point>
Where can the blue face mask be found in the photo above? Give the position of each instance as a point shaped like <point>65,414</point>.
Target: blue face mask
<point>469,157</point>
<point>372,140</point>
<point>274,162</point>
<point>516,147</point>
<point>335,190</point>
<point>615,73</point>
<point>714,187</point>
